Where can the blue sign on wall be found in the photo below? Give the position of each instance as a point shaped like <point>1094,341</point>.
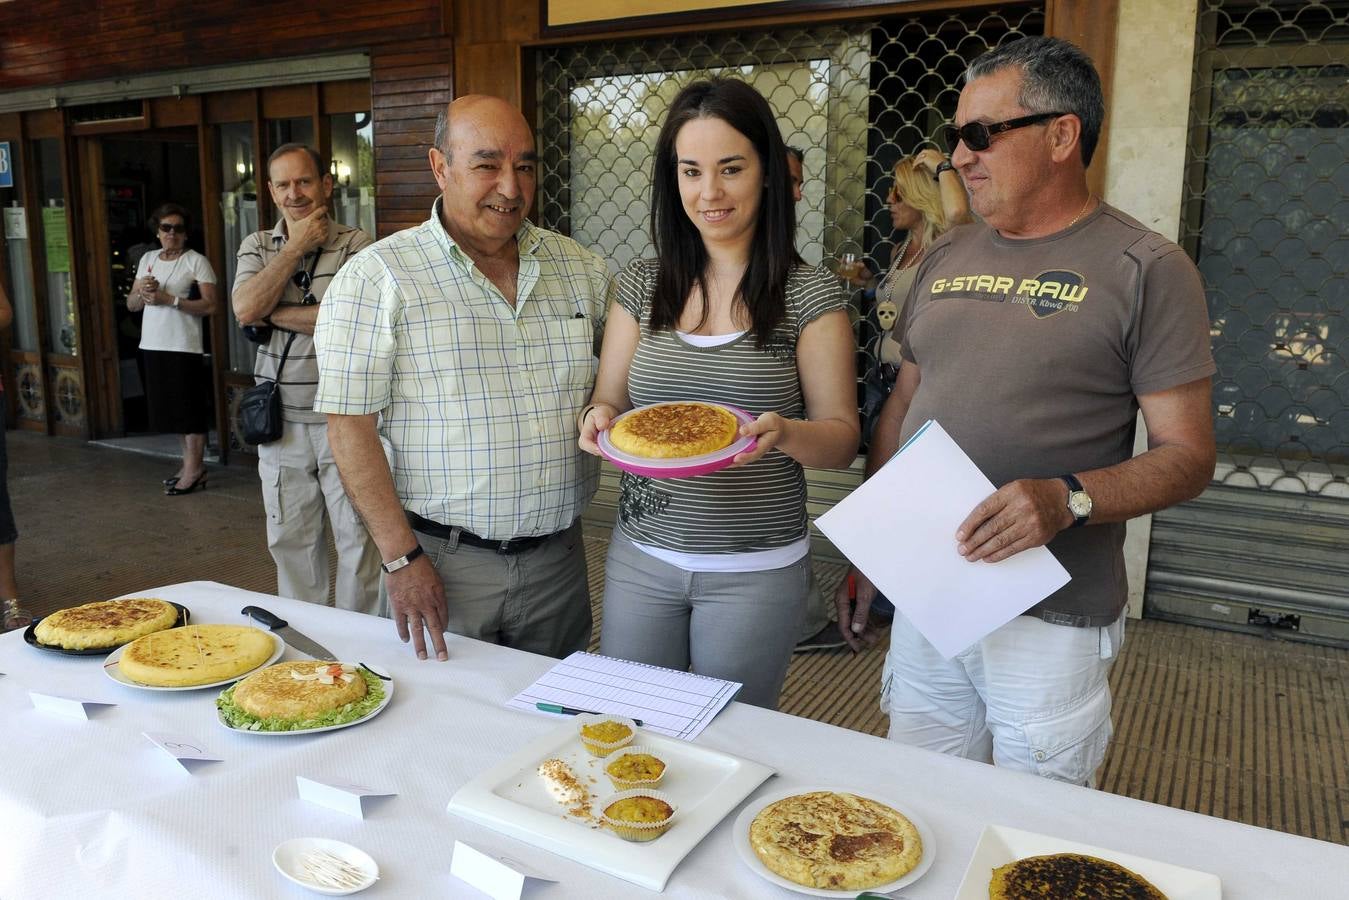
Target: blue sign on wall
<point>6,166</point>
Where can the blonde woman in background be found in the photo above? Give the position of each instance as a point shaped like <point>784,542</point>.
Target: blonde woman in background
<point>926,199</point>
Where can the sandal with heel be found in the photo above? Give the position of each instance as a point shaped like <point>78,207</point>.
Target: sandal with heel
<point>174,490</point>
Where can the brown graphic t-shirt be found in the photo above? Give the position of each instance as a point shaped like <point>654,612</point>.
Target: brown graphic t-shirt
<point>1031,354</point>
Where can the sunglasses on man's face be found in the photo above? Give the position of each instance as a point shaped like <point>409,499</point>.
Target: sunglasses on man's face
<point>303,280</point>
<point>170,228</point>
<point>977,136</point>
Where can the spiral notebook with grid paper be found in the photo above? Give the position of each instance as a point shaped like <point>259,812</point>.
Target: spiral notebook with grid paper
<point>679,704</point>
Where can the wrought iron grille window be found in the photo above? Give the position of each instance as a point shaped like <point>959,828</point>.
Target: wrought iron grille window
<point>1267,220</point>
<point>854,97</point>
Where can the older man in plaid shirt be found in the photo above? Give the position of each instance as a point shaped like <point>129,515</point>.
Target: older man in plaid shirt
<point>454,358</point>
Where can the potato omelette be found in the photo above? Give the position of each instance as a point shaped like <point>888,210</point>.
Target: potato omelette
<point>835,840</point>
<point>674,430</point>
<point>107,623</point>
<point>276,693</point>
<point>195,654</point>
<point>1069,876</point>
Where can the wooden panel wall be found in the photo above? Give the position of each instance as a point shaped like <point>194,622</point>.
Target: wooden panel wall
<point>58,41</point>
<point>488,41</point>
<point>1091,27</point>
<point>410,83</point>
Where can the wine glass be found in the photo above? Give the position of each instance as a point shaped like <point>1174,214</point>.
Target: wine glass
<point>14,617</point>
<point>850,268</point>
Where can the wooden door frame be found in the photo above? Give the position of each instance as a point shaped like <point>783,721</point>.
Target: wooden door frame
<point>97,307</point>
<point>98,327</point>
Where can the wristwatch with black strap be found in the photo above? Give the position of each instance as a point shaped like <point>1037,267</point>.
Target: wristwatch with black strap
<point>943,166</point>
<point>1079,501</point>
<point>403,561</point>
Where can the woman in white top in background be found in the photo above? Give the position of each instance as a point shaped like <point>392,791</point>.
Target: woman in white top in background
<point>177,383</point>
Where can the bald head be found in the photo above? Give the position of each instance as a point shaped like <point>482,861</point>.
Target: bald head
<point>468,113</point>
<point>485,163</point>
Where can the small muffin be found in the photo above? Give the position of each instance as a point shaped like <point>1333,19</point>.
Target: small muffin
<point>602,735</point>
<point>640,815</point>
<point>634,767</point>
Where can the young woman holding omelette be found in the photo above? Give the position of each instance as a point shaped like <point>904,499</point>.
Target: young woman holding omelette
<point>713,572</point>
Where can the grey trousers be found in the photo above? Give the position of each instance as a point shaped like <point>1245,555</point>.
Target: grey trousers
<point>740,626</point>
<point>304,497</point>
<point>537,600</point>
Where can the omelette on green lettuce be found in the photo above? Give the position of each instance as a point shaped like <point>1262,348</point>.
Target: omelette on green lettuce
<point>237,717</point>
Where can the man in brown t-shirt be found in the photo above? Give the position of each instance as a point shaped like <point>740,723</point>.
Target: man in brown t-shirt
<point>1035,338</point>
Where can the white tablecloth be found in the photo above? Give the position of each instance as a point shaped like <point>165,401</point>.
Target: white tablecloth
<point>93,809</point>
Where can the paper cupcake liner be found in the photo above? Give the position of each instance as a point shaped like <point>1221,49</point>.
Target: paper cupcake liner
<point>603,748</point>
<point>627,784</point>
<point>636,831</point>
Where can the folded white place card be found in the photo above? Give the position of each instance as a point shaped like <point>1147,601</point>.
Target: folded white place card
<point>899,529</point>
<point>72,707</point>
<point>499,877</point>
<point>337,795</point>
<point>184,749</point>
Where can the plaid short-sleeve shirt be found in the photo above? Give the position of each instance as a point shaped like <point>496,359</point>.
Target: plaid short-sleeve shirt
<point>300,374</point>
<point>479,399</point>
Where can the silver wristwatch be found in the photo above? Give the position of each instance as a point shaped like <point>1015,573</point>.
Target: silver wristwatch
<point>1079,501</point>
<point>403,561</point>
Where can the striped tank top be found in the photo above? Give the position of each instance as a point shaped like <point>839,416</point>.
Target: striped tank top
<point>761,506</point>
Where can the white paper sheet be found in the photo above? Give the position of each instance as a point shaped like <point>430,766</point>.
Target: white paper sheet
<point>899,529</point>
<point>679,704</point>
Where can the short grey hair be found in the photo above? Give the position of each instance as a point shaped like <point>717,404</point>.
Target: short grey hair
<point>1056,77</point>
<point>296,147</point>
<point>443,131</point>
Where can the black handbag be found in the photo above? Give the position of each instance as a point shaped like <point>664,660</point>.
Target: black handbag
<point>260,407</point>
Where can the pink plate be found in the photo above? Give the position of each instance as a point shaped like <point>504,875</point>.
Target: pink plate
<point>678,468</point>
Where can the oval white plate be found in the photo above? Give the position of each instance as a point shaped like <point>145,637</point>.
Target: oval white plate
<point>114,671</point>
<point>379,708</point>
<point>288,856</point>
<point>742,846</point>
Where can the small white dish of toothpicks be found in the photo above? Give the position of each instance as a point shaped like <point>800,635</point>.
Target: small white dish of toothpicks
<point>325,866</point>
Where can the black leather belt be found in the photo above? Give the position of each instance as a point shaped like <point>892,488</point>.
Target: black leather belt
<point>468,538</point>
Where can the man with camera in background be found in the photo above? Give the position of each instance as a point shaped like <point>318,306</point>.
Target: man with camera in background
<point>281,278</point>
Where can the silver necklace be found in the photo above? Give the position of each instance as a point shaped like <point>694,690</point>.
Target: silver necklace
<point>898,265</point>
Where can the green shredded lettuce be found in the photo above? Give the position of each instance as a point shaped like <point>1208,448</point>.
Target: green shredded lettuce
<point>236,717</point>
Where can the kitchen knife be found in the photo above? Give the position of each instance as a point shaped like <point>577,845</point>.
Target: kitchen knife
<point>292,637</point>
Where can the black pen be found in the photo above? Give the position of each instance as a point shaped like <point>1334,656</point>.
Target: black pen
<point>572,711</point>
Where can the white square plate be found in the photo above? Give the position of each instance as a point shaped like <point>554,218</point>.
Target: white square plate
<point>703,784</point>
<point>999,845</point>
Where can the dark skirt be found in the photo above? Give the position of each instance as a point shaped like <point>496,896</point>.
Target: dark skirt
<point>8,533</point>
<point>178,392</point>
